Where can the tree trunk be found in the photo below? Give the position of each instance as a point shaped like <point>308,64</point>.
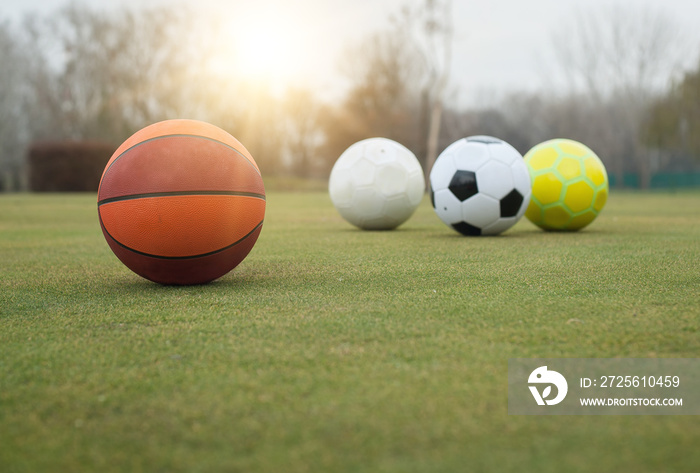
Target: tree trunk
<point>433,139</point>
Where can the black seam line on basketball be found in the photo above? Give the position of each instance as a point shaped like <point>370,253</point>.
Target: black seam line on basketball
<point>179,193</point>
<point>181,135</point>
<point>185,257</point>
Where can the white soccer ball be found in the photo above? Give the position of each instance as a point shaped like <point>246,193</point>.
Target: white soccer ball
<point>480,186</point>
<point>376,184</point>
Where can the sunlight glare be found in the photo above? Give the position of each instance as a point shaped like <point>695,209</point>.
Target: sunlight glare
<point>265,48</point>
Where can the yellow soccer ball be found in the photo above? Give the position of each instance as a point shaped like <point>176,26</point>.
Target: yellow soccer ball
<point>569,185</point>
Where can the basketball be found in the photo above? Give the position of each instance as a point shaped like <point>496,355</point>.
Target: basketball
<point>181,202</point>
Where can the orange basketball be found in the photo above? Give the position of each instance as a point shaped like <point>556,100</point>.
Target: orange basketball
<point>181,202</point>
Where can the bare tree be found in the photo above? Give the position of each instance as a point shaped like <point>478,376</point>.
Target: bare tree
<point>105,74</point>
<point>614,63</point>
<point>302,133</point>
<point>674,122</point>
<point>431,32</point>
<point>383,99</point>
<point>13,95</point>
<point>400,78</point>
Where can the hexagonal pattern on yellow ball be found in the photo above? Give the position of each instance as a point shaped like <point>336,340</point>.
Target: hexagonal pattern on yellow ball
<point>569,185</point>
<point>595,171</point>
<point>545,158</point>
<point>578,197</point>
<point>581,221</point>
<point>534,213</point>
<point>556,216</point>
<point>547,188</point>
<point>573,148</point>
<point>569,168</point>
<point>600,200</point>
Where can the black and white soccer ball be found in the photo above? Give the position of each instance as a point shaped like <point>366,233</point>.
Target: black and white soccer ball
<point>480,186</point>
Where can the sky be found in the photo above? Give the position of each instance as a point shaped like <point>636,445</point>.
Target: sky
<point>500,45</point>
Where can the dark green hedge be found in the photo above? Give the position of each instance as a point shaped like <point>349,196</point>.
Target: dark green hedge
<point>67,166</point>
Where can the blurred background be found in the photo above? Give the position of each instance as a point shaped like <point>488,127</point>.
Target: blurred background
<point>298,82</point>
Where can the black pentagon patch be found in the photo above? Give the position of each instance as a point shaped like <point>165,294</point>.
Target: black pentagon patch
<point>463,185</point>
<point>465,229</point>
<point>432,196</point>
<point>511,203</point>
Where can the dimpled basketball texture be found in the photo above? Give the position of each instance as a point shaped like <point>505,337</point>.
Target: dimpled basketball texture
<point>181,202</point>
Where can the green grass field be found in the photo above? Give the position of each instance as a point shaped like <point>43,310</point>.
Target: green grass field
<point>331,349</point>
